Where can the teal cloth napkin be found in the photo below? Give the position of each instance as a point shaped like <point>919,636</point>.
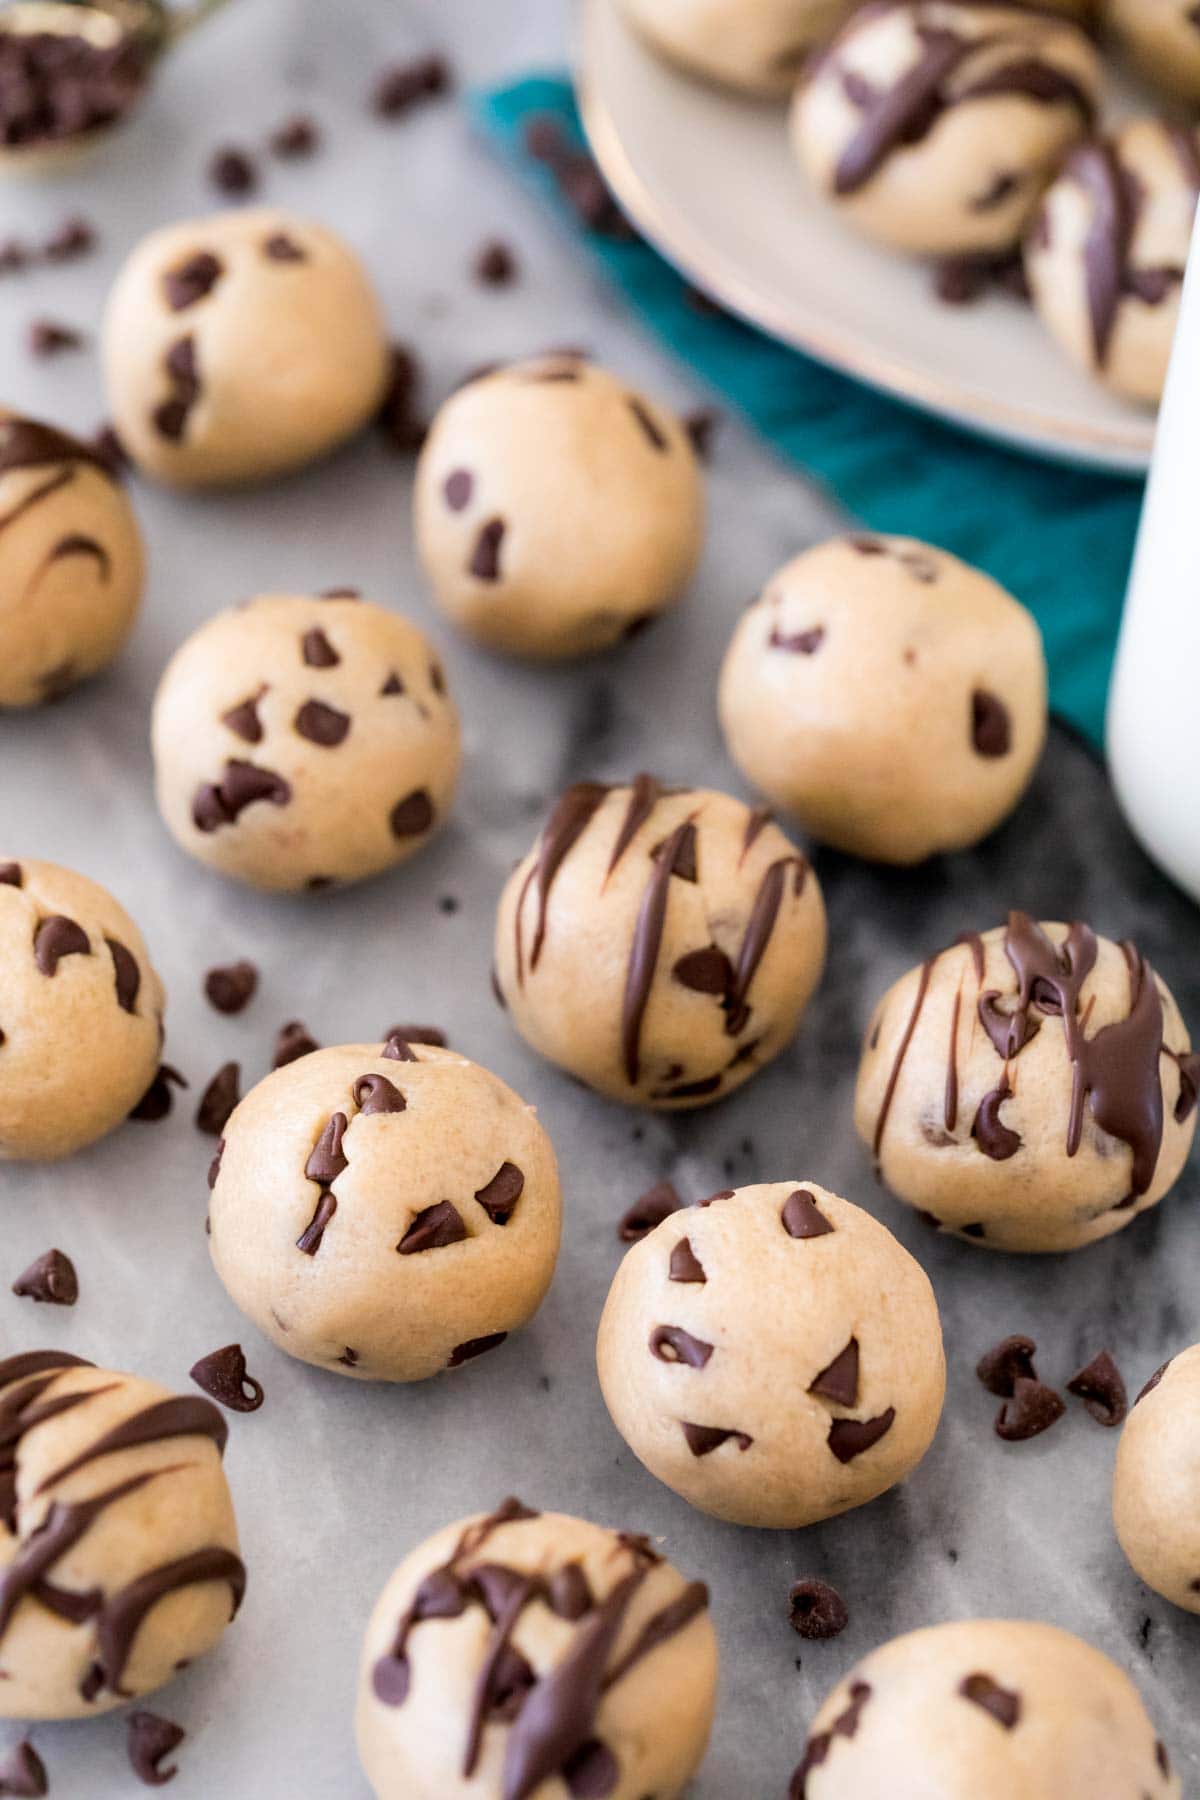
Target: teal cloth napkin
<point>1060,538</point>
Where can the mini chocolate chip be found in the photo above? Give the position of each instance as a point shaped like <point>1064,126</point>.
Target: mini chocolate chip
<point>317,650</point>
<point>685,1264</point>
<point>816,1610</point>
<point>416,1034</point>
<point>376,1094</point>
<point>655,1205</point>
<point>222,1375</point>
<point>349,1358</point>
<point>1101,1388</point>
<point>700,426</point>
<point>293,1040</point>
<point>51,1278</point>
<point>485,557</point>
<point>702,1440</point>
<point>127,975</point>
<point>463,1353</point>
<point>1154,1380</point>
<point>49,338</point>
<point>457,489</point>
<point>322,724</point>
<point>991,726</point>
<point>407,84</point>
<point>150,1739</point>
<point>243,719</point>
<point>327,1158</point>
<point>1032,1409</point>
<point>23,1773</point>
<point>1000,1702</point>
<point>839,1382</point>
<point>707,971</point>
<point>298,136</point>
<point>155,1103</point>
<point>412,816</point>
<point>393,685</point>
<point>232,172</point>
<point>279,247</point>
<point>670,1343</point>
<point>311,1237</point>
<point>399,417</point>
<point>74,238</point>
<point>55,938</point>
<point>495,264</point>
<point>10,875</point>
<point>230,988</point>
<point>802,1217</point>
<point>433,1229</point>
<point>849,1438</point>
<point>398,1049</point>
<point>684,864</point>
<point>193,280</point>
<point>1011,1359</point>
<point>499,1196</point>
<point>219,1099</point>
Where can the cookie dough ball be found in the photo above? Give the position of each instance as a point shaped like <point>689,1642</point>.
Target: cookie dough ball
<point>1157,1482</point>
<point>557,511</point>
<point>118,1547</point>
<point>70,562</point>
<point>528,1655</point>
<point>81,1012</point>
<point>984,1709</point>
<point>1163,39</point>
<point>934,125</point>
<point>1029,1089</point>
<point>659,943</point>
<point>385,1212</point>
<point>1107,252</point>
<point>890,696</point>
<point>778,1415</point>
<point>239,346</point>
<point>757,45</point>
<point>303,742</point>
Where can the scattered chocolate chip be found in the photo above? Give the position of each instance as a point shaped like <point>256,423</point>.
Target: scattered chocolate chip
<point>279,247</point>
<point>499,1196</point>
<point>412,816</point>
<point>685,1264</point>
<point>655,1205</point>
<point>1154,1380</point>
<point>432,1229</point>
<point>991,724</point>
<point>222,1375</point>
<point>49,338</point>
<point>702,1440</point>
<point>816,1610</point>
<point>14,256</point>
<point>317,651</point>
<point>802,1217</point>
<point>457,489</point>
<point>376,1094</point>
<point>150,1739</point>
<point>231,171</point>
<point>55,938</point>
<point>839,1382</point>
<point>398,417</point>
<point>322,724</point>
<point>670,1343</point>
<point>349,1358</point>
<point>51,1278</point>
<point>297,137</point>
<point>293,1040</point>
<point>10,875</point>
<point>495,265</point>
<point>485,557</point>
<point>155,1103</point>
<point>417,1034</point>
<point>1010,1360</point>
<point>700,426</point>
<point>1001,1703</point>
<point>74,238</point>
<point>1032,1408</point>
<point>23,1773</point>
<point>218,1100</point>
<point>407,84</point>
<point>463,1353</point>
<point>126,975</point>
<point>849,1438</point>
<point>231,987</point>
<point>1102,1389</point>
<point>193,280</point>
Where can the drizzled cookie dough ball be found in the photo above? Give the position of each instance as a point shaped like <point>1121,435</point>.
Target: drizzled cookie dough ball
<point>659,943</point>
<point>81,1012</point>
<point>1162,37</point>
<point>887,694</point>
<point>1029,1089</point>
<point>70,562</point>
<point>557,511</point>
<point>304,742</point>
<point>778,1414</point>
<point>1106,254</point>
<point>757,45</point>
<point>984,1709</point>
<point>239,346</point>
<point>934,125</point>
<point>1157,1480</point>
<point>384,1212</point>
<point>118,1547</point>
<point>527,1654</point>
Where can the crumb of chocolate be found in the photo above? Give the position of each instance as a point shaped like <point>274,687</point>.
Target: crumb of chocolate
<point>75,237</point>
<point>407,84</point>
<point>297,137</point>
<point>47,337</point>
<point>495,264</point>
<point>231,171</point>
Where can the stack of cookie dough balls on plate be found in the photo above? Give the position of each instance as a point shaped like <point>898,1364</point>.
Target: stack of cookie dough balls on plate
<point>385,1212</point>
<point>557,510</point>
<point>304,742</point>
<point>757,46</point>
<point>1157,1482</point>
<point>118,1544</point>
<point>659,943</point>
<point>240,346</point>
<point>70,562</point>
<point>81,1012</point>
<point>890,696</point>
<point>1030,1088</point>
<point>530,1654</point>
<point>781,1414</point>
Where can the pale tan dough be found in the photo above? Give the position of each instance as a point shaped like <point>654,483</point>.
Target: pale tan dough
<point>81,1011</point>
<point>303,741</point>
<point>758,46</point>
<point>426,1130</point>
<point>980,1143</point>
<point>110,1530</point>
<point>608,1686</point>
<point>985,1709</point>
<point>70,562</point>
<point>1106,254</point>
<point>775,1414</point>
<point>661,980</point>
<point>1163,39</point>
<point>889,126</point>
<point>890,696</point>
<point>557,510</point>
<point>245,365</point>
<point>1156,1486</point>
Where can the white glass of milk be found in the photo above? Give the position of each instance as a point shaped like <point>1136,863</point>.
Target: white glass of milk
<point>1154,705</point>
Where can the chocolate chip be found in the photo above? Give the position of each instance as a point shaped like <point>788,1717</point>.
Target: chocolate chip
<point>816,1610</point>
<point>293,1040</point>
<point>219,1099</point>
<point>214,1168</point>
<point>243,783</point>
<point>243,719</point>
<point>407,84</point>
<point>155,1103</point>
<point>127,975</point>
<point>655,1205</point>
<point>1001,1703</point>
<point>340,593</point>
<point>150,1739</point>
<point>279,247</point>
<point>416,1034</point>
<point>232,172</point>
<point>990,1132</point>
<point>311,1237</point>
<point>568,1593</point>
<point>495,264</point>
<point>47,337</point>
<point>1032,1409</point>
<point>432,1229</point>
<point>193,280</point>
<point>10,875</point>
<point>707,971</point>
<point>376,1094</point>
<point>685,1265</point>
<point>499,1196</point>
<point>322,724</point>
<point>457,489</point>
<point>463,1353</point>
<point>398,1049</point>
<point>55,938</point>
<point>1010,1360</point>
<point>398,417</point>
<point>721,1194</point>
<point>485,557</point>
<point>296,137</point>
<point>327,1158</point>
<point>51,1278</point>
<point>700,426</point>
<point>797,643</point>
<point>231,988</point>
<point>849,1438</point>
<point>182,371</point>
<point>349,1358</point>
<point>802,1217</point>
<point>317,650</point>
<point>1101,1388</point>
<point>74,238</point>
<point>839,1382</point>
<point>670,1343</point>
<point>412,816</point>
<point>393,685</point>
<point>222,1375</point>
<point>702,1440</point>
<point>1154,1380</point>
<point>23,1773</point>
<point>991,726</point>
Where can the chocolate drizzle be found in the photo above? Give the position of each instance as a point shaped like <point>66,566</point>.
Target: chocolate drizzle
<point>644,796</point>
<point>565,826</point>
<point>889,1092</point>
<point>643,952</point>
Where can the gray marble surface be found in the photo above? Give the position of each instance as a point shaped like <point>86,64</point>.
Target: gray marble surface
<point>335,1481</point>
